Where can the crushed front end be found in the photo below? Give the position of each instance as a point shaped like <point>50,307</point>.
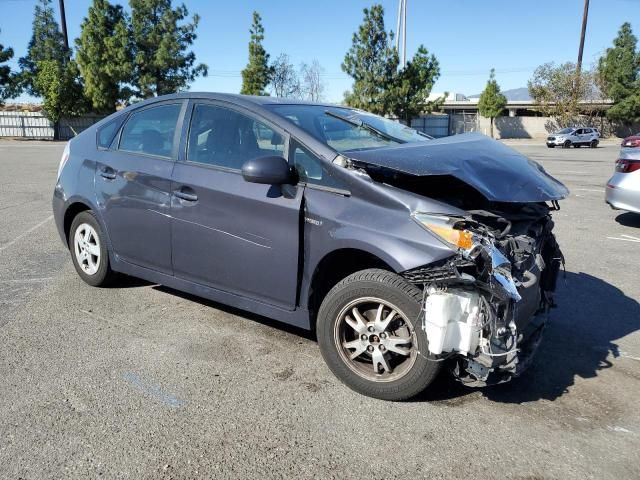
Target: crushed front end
<point>485,307</point>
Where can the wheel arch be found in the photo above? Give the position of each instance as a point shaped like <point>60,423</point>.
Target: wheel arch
<point>70,213</point>
<point>335,266</point>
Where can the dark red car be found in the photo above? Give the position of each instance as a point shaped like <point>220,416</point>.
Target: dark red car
<point>631,141</point>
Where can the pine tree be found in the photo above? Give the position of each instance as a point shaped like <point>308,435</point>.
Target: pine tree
<point>7,79</point>
<point>619,70</point>
<point>412,86</point>
<point>46,44</point>
<point>162,63</point>
<point>492,102</point>
<point>103,54</point>
<point>372,63</point>
<point>257,74</point>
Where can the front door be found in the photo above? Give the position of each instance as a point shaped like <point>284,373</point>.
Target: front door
<point>133,186</point>
<point>229,234</point>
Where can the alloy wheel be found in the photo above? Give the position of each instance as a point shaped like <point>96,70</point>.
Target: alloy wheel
<point>375,339</point>
<point>86,247</point>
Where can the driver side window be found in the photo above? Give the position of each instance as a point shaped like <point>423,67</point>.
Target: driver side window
<point>226,138</point>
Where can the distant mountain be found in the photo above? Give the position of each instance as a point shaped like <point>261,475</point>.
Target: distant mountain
<point>515,94</point>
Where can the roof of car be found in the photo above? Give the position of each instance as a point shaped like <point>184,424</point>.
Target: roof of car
<point>236,98</point>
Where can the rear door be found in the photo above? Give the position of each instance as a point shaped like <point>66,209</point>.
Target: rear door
<point>229,234</point>
<point>133,184</point>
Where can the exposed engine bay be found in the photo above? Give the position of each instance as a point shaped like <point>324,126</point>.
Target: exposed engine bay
<point>485,308</point>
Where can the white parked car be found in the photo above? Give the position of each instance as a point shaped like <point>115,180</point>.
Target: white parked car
<point>576,137</point>
<point>623,189</point>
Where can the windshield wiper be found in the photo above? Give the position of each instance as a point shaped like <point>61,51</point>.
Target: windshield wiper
<point>359,123</point>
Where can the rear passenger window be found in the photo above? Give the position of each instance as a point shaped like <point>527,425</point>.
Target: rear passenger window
<point>108,132</point>
<point>226,138</point>
<point>151,131</point>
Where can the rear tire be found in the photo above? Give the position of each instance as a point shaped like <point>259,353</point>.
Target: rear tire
<point>357,329</point>
<point>89,252</point>
<point>593,144</point>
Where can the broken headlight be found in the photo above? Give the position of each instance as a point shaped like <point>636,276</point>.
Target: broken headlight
<point>451,231</point>
<point>444,228</point>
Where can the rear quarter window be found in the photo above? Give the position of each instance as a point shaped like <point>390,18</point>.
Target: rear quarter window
<point>107,133</point>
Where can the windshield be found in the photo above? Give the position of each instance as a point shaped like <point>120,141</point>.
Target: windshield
<point>566,130</point>
<point>345,129</point>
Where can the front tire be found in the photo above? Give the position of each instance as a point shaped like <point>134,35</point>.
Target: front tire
<point>566,144</point>
<point>89,250</point>
<point>371,337</point>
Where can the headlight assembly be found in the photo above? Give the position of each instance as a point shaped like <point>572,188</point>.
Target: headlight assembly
<point>445,229</point>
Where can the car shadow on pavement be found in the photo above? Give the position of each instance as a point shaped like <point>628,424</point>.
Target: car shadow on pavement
<point>578,342</point>
<point>240,313</point>
<point>629,219</point>
<point>127,281</point>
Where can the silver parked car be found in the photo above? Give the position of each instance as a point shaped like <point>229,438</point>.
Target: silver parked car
<point>576,137</point>
<point>623,189</point>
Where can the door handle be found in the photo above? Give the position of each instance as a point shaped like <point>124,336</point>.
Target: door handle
<point>108,173</point>
<point>185,193</point>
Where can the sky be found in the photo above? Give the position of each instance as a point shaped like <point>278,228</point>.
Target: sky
<point>468,37</point>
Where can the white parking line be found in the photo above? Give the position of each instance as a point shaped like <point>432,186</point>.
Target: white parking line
<point>599,190</point>
<point>7,245</point>
<point>631,239</point>
<point>29,280</point>
<point>8,145</point>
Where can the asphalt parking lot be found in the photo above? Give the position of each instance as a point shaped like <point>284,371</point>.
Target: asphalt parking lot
<point>139,381</point>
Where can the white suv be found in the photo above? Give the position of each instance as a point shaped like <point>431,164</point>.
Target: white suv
<point>574,136</point>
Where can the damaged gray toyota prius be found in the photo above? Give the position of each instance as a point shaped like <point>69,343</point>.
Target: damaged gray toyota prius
<point>405,254</point>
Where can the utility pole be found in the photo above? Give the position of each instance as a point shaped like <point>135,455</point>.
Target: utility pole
<point>404,35</point>
<point>398,26</point>
<point>63,22</point>
<point>585,14</point>
<point>577,86</point>
<point>401,37</point>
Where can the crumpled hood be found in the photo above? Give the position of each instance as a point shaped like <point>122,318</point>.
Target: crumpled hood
<point>499,172</point>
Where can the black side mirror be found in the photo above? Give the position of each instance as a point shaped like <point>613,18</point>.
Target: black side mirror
<point>271,170</point>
